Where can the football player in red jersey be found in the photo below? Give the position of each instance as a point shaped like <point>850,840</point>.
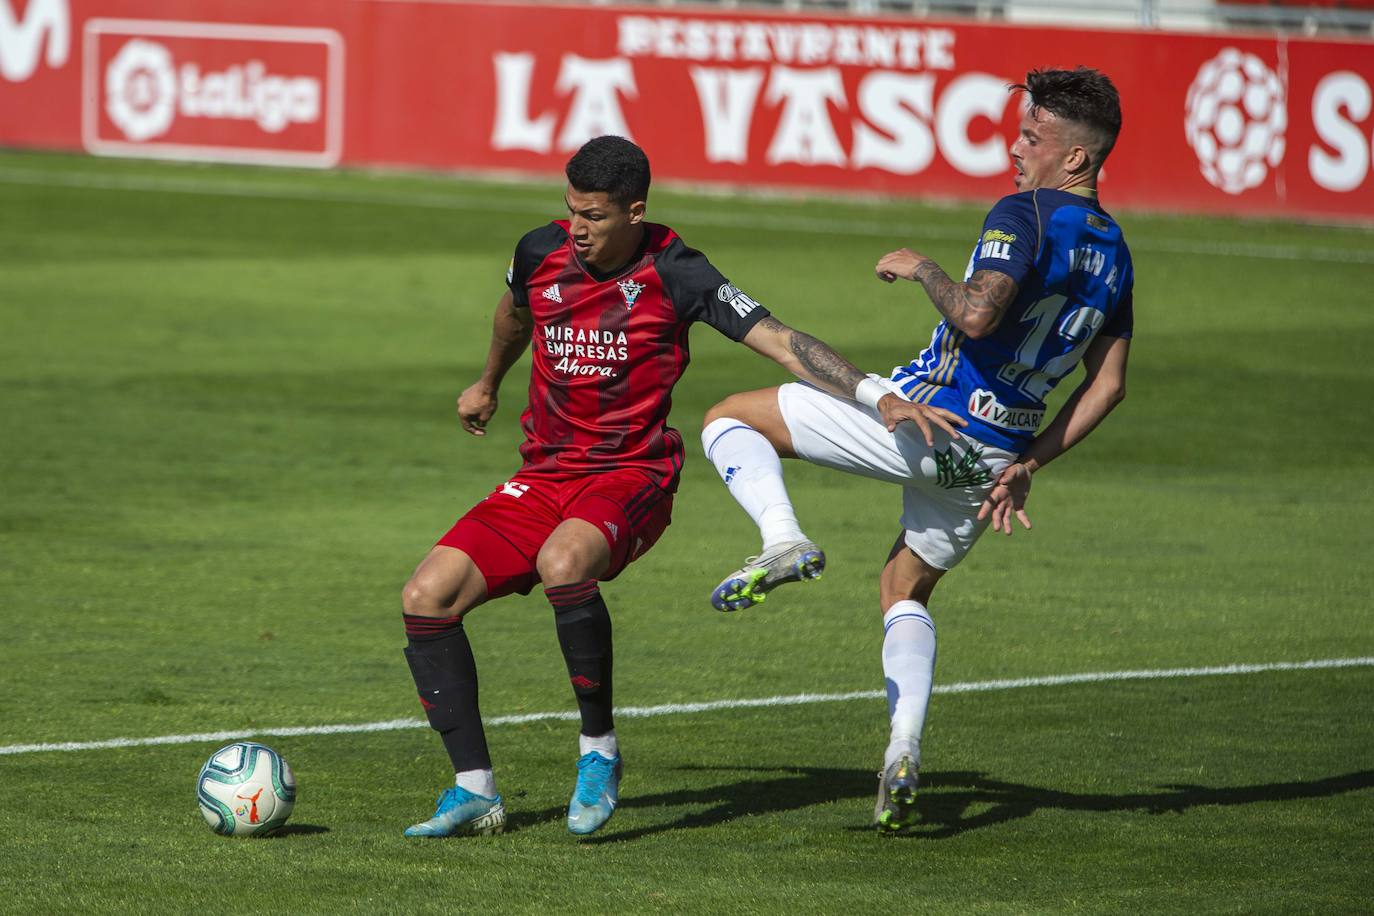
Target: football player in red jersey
<point>606,299</point>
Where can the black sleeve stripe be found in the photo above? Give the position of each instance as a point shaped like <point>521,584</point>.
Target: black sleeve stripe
<point>530,252</point>
<point>669,265</point>
<point>699,292</point>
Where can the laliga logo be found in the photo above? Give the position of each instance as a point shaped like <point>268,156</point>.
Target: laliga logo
<point>144,93</point>
<point>1234,120</point>
<point>140,90</point>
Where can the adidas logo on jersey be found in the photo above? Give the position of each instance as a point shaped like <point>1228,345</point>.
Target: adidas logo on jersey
<point>613,528</point>
<point>553,293</point>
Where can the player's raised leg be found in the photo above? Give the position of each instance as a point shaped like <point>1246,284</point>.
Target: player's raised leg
<point>909,670</point>
<point>445,586</point>
<point>744,437</point>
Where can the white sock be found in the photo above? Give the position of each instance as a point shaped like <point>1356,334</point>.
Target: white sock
<point>909,667</point>
<point>752,471</point>
<point>605,745</point>
<point>478,782</point>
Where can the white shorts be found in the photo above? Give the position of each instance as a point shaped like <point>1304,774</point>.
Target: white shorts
<point>942,487</point>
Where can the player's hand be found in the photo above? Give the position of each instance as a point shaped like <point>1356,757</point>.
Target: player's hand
<point>1008,497</point>
<point>893,410</point>
<point>899,265</point>
<point>475,406</point>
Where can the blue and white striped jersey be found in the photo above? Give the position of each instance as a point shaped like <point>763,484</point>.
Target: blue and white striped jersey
<point>1073,275</point>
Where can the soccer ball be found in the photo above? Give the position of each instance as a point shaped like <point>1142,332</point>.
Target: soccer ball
<point>1235,118</point>
<point>245,789</point>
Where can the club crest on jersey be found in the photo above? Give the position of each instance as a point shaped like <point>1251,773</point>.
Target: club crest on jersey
<point>553,294</point>
<point>983,405</point>
<point>737,300</point>
<point>630,290</point>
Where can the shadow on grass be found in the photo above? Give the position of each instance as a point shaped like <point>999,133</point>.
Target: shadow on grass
<point>973,800</point>
<point>295,830</point>
<point>950,804</point>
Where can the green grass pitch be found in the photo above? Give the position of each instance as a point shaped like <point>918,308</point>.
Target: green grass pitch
<point>228,436</point>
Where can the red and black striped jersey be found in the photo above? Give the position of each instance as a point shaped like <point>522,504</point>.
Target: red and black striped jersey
<point>608,349</point>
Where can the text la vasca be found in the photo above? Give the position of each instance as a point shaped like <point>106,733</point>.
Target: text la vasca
<point>899,121</point>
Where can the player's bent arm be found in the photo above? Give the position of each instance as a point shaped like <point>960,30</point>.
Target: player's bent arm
<point>1102,389</point>
<point>974,307</point>
<point>807,358</point>
<point>813,361</point>
<point>511,329</point>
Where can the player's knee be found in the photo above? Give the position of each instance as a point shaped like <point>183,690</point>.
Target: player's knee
<point>419,599</point>
<point>717,412</point>
<point>736,407</point>
<point>907,582</point>
<point>889,597</point>
<point>559,565</point>
<point>428,596</point>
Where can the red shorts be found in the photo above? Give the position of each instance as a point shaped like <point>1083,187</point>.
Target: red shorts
<point>503,533</point>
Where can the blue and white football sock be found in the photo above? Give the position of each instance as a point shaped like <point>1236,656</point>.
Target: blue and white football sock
<point>478,782</point>
<point>752,471</point>
<point>909,668</point>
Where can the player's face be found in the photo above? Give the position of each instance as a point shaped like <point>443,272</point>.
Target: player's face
<point>604,233</point>
<point>1042,151</point>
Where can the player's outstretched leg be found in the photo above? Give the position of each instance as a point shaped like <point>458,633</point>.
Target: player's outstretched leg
<point>791,561</point>
<point>751,469</point>
<point>445,673</point>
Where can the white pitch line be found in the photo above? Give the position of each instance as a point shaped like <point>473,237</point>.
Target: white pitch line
<point>671,709</point>
<point>268,190</point>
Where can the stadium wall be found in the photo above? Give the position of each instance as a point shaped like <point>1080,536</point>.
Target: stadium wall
<point>1254,125</point>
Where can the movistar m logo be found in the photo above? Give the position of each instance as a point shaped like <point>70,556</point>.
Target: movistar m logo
<point>24,34</point>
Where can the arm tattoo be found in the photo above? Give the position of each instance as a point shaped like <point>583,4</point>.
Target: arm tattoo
<point>824,365</point>
<point>978,304</point>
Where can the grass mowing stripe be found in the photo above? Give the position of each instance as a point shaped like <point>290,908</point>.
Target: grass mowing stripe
<point>669,709</point>
<point>825,226</point>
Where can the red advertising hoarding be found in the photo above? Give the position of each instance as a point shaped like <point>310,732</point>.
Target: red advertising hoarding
<point>911,107</point>
<point>192,90</point>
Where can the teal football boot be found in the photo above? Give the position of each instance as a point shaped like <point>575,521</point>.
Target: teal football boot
<point>596,794</point>
<point>462,813</point>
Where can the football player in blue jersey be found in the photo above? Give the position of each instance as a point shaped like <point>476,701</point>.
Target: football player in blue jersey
<point>959,428</point>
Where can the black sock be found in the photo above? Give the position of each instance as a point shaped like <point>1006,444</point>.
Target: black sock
<point>445,674</point>
<point>584,633</point>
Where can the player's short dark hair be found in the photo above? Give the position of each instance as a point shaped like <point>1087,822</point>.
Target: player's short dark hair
<point>1082,95</point>
<point>613,165</point>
